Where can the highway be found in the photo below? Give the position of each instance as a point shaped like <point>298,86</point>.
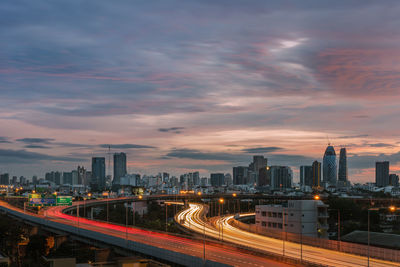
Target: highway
<point>225,254</point>
<point>219,228</point>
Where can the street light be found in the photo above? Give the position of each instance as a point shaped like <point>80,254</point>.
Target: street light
<point>391,209</point>
<point>317,197</point>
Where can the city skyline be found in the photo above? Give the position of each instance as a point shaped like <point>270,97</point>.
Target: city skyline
<point>200,86</point>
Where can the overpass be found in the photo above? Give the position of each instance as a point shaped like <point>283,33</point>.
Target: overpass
<point>167,247</point>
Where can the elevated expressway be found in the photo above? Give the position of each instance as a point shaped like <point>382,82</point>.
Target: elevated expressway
<point>219,228</point>
<point>172,248</point>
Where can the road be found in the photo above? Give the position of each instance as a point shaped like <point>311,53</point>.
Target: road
<point>213,251</point>
<point>192,219</point>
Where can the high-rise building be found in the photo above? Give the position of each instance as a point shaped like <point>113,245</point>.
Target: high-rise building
<point>281,177</point>
<point>259,162</point>
<point>57,178</point>
<point>119,167</point>
<point>316,174</point>
<point>394,180</point>
<point>34,179</point>
<point>240,175</point>
<point>15,180</point>
<point>343,166</point>
<point>196,178</point>
<point>5,179</point>
<point>98,181</point>
<point>329,166</point>
<point>228,179</point>
<point>67,178</point>
<point>81,175</point>
<point>217,179</point>
<point>75,177</point>
<point>382,173</point>
<point>264,177</point>
<point>306,176</point>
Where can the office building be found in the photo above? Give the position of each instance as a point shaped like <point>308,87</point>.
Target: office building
<point>217,179</point>
<point>196,178</point>
<point>301,217</point>
<point>306,176</point>
<point>82,175</point>
<point>259,162</point>
<point>119,167</point>
<point>394,180</point>
<point>5,179</point>
<point>330,166</point>
<point>342,176</point>
<point>75,177</point>
<point>264,177</point>
<point>316,174</point>
<point>240,175</point>
<point>34,180</point>
<point>382,173</point>
<point>67,178</point>
<point>57,178</point>
<point>280,177</point>
<point>228,179</point>
<point>98,181</point>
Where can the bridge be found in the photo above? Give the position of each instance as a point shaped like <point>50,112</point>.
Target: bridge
<point>167,247</point>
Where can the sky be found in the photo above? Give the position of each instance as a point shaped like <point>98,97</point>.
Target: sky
<point>198,85</point>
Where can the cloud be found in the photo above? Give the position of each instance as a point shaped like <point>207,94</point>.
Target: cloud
<point>201,155</point>
<point>353,136</point>
<point>267,149</point>
<point>176,130</point>
<point>37,146</point>
<point>24,156</point>
<point>4,140</point>
<point>36,140</point>
<point>380,145</point>
<point>125,146</point>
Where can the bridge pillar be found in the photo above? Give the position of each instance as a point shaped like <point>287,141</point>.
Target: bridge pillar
<point>91,213</point>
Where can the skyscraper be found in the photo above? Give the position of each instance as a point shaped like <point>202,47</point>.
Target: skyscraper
<point>259,162</point>
<point>264,177</point>
<point>217,179</point>
<point>316,174</point>
<point>98,181</point>
<point>119,167</point>
<point>281,177</point>
<point>382,173</point>
<point>343,166</point>
<point>306,177</point>
<point>240,175</point>
<point>329,166</point>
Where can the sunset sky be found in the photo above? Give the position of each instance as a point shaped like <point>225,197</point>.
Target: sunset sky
<point>198,85</point>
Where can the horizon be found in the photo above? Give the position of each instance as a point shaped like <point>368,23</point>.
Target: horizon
<point>184,85</point>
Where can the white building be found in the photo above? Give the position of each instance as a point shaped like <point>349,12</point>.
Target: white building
<point>306,217</point>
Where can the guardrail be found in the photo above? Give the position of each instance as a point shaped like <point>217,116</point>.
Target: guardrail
<point>346,247</point>
<point>164,254</point>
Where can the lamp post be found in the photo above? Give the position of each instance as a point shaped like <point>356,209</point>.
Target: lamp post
<point>234,195</point>
<point>221,203</point>
<point>126,224</point>
<point>284,231</point>
<point>391,209</point>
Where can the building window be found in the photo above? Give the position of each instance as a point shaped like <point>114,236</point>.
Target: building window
<point>279,225</point>
<point>274,215</point>
<point>274,225</point>
<point>269,214</point>
<point>291,214</point>
<point>280,215</point>
<point>264,213</point>
<point>269,224</point>
<point>264,224</point>
<point>257,222</point>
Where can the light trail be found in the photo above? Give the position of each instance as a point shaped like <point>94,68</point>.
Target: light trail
<point>229,255</point>
<point>192,219</point>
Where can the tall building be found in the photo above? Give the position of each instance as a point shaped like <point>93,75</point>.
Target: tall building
<point>217,179</point>
<point>329,166</point>
<point>382,173</point>
<point>5,179</point>
<point>75,177</point>
<point>196,178</point>
<point>264,177</point>
<point>98,181</point>
<point>57,178</point>
<point>240,175</point>
<point>119,167</point>
<point>394,180</point>
<point>343,166</point>
<point>316,174</point>
<point>82,175</point>
<point>281,177</point>
<point>228,179</point>
<point>67,178</point>
<point>259,162</point>
<point>306,176</point>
